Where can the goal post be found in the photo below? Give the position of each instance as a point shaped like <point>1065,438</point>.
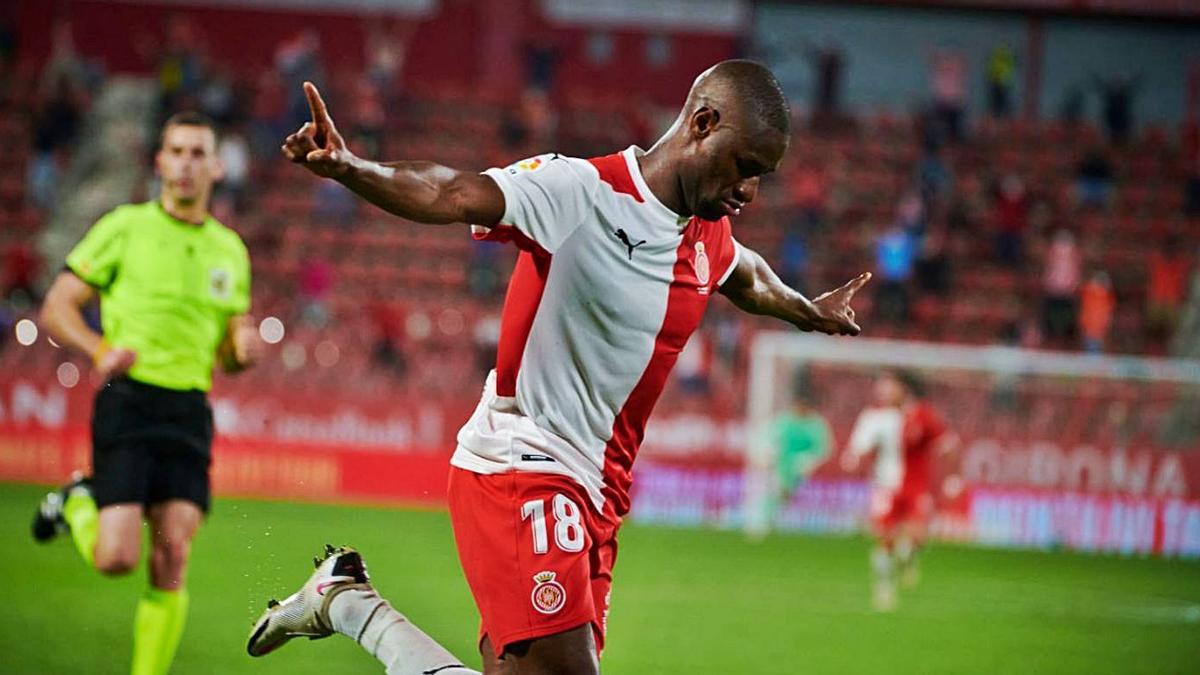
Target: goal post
<point>1034,425</point>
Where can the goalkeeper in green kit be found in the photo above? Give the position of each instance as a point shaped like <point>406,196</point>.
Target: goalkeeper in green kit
<point>802,439</point>
<point>174,290</point>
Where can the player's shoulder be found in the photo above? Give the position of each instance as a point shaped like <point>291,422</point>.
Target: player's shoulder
<point>127,214</point>
<point>552,163</point>
<point>227,236</point>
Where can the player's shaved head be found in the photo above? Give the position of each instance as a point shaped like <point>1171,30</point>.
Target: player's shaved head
<point>732,130</point>
<point>743,86</point>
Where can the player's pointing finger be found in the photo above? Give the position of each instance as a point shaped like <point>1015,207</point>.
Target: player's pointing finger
<point>858,282</point>
<point>319,113</point>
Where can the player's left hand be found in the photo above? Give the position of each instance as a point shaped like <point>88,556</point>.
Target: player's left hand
<point>318,145</point>
<point>831,312</point>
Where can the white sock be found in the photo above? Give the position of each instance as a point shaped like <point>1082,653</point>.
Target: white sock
<point>386,634</point>
<point>882,563</point>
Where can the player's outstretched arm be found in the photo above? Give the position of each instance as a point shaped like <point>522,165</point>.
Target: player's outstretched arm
<point>754,287</point>
<point>424,192</point>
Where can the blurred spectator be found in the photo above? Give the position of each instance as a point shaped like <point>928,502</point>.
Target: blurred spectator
<point>934,176</point>
<point>894,255</point>
<point>910,215</point>
<point>966,205</point>
<point>1070,110</point>
<point>1011,214</point>
<point>386,52</point>
<point>486,338</point>
<point>483,278</point>
<point>21,267</point>
<point>368,115</point>
<point>694,366</point>
<point>234,153</point>
<point>1060,284</point>
<point>269,115</point>
<point>65,68</point>
<point>827,65</point>
<point>1096,305</point>
<point>333,205</point>
<point>1191,189</point>
<point>387,350</point>
<point>1166,287</point>
<point>1001,71</point>
<point>316,280</point>
<point>932,268</point>
<point>180,71</point>
<point>1094,179</point>
<point>216,96</point>
<point>1117,94</point>
<point>948,72</point>
<point>542,56</point>
<point>298,60</point>
<point>56,125</point>
<point>728,336</point>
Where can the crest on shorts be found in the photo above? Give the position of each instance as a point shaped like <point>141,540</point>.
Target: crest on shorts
<point>219,284</point>
<point>548,595</point>
<point>700,263</point>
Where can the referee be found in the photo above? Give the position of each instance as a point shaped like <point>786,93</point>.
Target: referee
<point>174,289</point>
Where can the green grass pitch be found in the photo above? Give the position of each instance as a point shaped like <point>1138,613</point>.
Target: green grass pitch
<point>685,601</point>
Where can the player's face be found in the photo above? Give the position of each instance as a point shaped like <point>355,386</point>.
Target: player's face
<point>187,162</point>
<point>889,392</point>
<point>728,164</point>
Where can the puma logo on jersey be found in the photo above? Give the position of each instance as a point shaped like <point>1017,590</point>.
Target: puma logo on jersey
<point>620,234</point>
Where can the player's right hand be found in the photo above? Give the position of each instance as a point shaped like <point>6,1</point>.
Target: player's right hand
<point>317,145</point>
<point>115,362</point>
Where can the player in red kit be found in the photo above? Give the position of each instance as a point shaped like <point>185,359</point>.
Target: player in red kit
<point>906,435</point>
<point>619,258</point>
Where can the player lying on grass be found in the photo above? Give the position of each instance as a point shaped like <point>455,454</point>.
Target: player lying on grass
<point>619,256</point>
<point>905,434</point>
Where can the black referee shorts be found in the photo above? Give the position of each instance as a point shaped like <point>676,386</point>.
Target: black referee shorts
<point>150,444</point>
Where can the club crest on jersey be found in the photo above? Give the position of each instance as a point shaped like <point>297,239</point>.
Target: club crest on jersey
<point>548,595</point>
<point>531,164</point>
<point>700,264</point>
<point>219,284</point>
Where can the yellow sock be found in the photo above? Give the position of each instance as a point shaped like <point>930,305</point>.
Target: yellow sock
<point>157,627</point>
<point>81,514</point>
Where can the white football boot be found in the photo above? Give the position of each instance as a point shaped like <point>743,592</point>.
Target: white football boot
<point>306,612</point>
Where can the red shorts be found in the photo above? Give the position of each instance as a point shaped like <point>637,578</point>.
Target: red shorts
<point>890,507</point>
<point>537,556</point>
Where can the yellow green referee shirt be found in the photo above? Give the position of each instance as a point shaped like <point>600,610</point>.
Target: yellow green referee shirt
<point>167,289</point>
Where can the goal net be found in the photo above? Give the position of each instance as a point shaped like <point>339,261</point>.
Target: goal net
<point>1055,450</point>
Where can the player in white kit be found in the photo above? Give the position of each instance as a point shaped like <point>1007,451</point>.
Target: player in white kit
<point>619,257</point>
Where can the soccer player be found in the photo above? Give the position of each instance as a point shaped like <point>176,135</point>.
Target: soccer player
<point>619,256</point>
<point>174,289</point>
<point>802,438</point>
<point>905,434</point>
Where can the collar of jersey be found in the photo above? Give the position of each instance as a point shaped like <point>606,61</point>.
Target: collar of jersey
<point>631,154</point>
<point>167,214</point>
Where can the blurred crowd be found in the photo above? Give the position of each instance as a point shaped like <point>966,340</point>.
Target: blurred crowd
<point>946,200</point>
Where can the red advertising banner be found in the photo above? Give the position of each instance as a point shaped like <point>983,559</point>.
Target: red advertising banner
<point>1040,494</point>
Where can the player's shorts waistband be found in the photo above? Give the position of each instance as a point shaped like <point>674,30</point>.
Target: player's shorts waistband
<point>126,383</point>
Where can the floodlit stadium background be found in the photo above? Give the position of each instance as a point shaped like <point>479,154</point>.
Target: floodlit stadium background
<point>1022,177</point>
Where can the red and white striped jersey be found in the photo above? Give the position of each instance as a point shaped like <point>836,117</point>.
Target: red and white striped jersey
<point>609,285</point>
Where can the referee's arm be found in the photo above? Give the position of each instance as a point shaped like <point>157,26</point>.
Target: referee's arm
<point>62,315</point>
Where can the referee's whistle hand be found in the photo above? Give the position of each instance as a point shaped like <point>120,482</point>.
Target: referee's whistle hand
<point>114,363</point>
